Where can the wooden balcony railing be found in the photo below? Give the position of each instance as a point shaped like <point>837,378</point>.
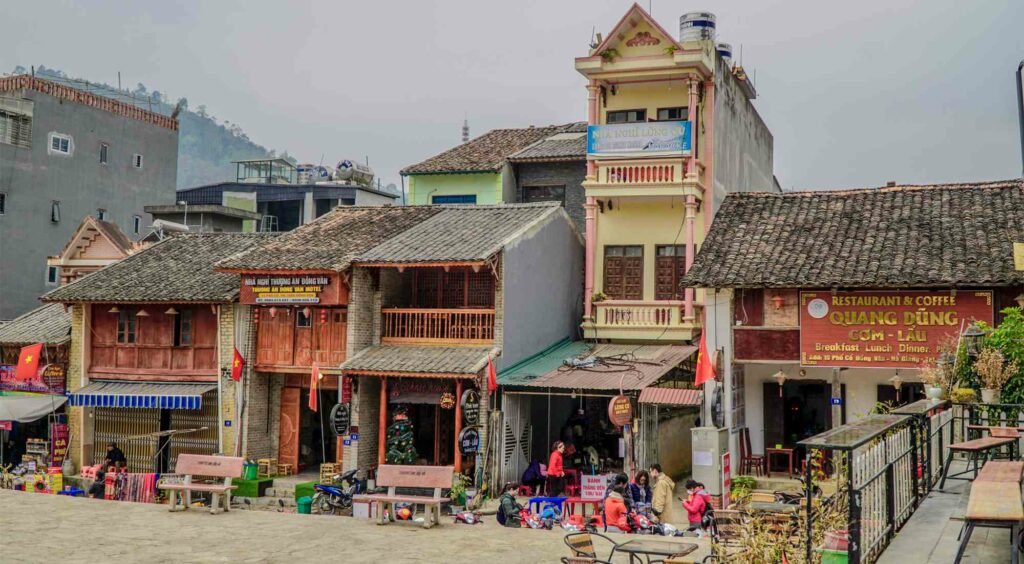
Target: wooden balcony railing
<point>455,326</point>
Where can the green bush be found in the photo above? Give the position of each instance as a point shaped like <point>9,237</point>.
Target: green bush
<point>1008,338</point>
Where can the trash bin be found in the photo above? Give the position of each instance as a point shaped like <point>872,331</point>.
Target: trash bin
<point>305,505</point>
<point>833,556</point>
<point>249,471</point>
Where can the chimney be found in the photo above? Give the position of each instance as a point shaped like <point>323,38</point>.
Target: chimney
<point>890,184</point>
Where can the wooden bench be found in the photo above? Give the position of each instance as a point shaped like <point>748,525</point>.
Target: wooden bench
<point>993,504</point>
<point>394,477</point>
<point>974,449</point>
<point>1002,471</point>
<point>189,465</point>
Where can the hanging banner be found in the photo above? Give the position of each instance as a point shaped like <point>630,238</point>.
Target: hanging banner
<point>471,407</point>
<point>59,435</point>
<point>646,138</point>
<point>286,289</point>
<point>346,389</point>
<point>49,379</point>
<point>884,329</point>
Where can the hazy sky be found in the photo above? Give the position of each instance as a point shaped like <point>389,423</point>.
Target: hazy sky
<point>855,93</point>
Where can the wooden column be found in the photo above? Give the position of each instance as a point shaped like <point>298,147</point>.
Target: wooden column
<point>458,424</point>
<point>382,442</point>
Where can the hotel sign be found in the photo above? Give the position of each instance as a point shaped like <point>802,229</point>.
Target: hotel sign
<point>646,138</point>
<point>292,289</point>
<point>884,329</point>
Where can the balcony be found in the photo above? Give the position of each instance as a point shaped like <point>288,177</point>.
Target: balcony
<point>647,177</point>
<point>625,320</point>
<point>437,326</point>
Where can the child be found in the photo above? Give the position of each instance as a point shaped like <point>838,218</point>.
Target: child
<point>694,506</point>
<point>615,509</point>
<point>509,509</point>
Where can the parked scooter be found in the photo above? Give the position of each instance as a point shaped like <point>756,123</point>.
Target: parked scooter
<point>330,498</point>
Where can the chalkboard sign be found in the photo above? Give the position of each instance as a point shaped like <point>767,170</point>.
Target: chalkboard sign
<point>469,441</point>
<point>340,418</point>
<point>471,407</point>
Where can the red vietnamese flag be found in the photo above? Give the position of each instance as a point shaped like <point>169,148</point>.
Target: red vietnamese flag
<point>28,362</point>
<point>492,376</point>
<point>705,367</point>
<point>313,381</point>
<point>237,364</point>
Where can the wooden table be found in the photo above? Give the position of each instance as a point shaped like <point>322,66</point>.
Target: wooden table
<point>974,449</point>
<point>1001,471</point>
<point>650,547</point>
<point>769,452</point>
<point>993,504</point>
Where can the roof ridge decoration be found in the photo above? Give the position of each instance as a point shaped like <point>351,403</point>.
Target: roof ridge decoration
<point>619,29</point>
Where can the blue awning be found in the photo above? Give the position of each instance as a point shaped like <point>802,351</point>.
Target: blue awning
<point>145,395</point>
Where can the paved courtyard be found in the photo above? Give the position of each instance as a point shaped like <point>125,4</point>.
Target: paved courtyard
<point>46,528</point>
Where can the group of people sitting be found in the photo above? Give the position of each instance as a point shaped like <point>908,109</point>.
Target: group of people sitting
<point>625,501</point>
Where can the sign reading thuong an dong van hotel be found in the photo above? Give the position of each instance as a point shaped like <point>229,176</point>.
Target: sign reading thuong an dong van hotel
<point>292,289</point>
<point>645,138</point>
<point>884,329</point>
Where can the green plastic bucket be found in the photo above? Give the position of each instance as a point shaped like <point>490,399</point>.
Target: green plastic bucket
<point>249,471</point>
<point>833,556</point>
<point>306,505</point>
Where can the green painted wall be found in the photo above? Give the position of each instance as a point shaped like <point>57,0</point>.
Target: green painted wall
<point>243,201</point>
<point>486,186</point>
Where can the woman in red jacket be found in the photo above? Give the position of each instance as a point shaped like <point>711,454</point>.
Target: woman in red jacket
<point>556,470</point>
<point>615,510</point>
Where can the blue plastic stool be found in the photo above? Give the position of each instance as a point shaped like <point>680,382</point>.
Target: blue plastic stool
<point>73,492</point>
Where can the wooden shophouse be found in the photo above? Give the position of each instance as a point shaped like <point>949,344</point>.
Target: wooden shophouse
<point>427,294</point>
<point>149,337</point>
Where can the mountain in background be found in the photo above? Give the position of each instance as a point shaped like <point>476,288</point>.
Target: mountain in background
<point>205,147</point>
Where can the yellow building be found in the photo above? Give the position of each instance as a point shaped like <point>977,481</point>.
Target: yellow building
<point>672,129</point>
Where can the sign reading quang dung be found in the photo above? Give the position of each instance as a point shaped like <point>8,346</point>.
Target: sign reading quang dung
<point>884,329</point>
<point>647,138</point>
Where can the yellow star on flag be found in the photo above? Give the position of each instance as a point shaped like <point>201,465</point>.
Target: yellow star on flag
<point>28,359</point>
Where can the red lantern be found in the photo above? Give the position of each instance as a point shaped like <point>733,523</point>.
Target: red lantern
<point>323,316</point>
<point>256,316</point>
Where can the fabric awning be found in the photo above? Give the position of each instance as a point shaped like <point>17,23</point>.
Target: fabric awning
<point>609,366</point>
<point>26,408</point>
<point>147,395</point>
<point>671,396</point>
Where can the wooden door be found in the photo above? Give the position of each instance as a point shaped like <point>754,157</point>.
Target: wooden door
<point>288,444</point>
<point>774,416</point>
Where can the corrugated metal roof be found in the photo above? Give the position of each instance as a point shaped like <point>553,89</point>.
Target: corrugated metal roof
<point>541,363</point>
<point>670,396</point>
<point>630,367</point>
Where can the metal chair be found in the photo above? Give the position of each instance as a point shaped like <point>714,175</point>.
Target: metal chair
<point>582,545</point>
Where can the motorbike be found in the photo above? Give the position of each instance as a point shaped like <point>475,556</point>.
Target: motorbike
<point>330,498</point>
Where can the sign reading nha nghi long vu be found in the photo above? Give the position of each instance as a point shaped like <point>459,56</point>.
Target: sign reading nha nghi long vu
<point>884,329</point>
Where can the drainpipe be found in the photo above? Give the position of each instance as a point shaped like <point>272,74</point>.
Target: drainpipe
<point>1020,113</point>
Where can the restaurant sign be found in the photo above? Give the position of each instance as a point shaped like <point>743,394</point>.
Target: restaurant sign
<point>652,138</point>
<point>884,329</point>
<point>285,289</point>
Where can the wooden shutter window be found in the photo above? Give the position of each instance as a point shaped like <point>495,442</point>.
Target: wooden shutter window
<point>624,272</point>
<point>669,269</point>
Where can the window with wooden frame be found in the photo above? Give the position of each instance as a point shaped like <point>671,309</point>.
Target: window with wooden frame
<point>626,116</point>
<point>673,114</point>
<point>301,319</point>
<point>126,326</point>
<point>457,288</point>
<point>183,328</point>
<point>624,272</point>
<point>669,269</point>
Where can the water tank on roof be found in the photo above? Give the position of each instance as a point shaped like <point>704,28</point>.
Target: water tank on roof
<point>725,51</point>
<point>697,26</point>
<point>311,173</point>
<point>353,172</point>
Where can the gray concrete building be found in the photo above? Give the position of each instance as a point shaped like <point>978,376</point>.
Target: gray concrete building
<point>553,170</point>
<point>66,154</point>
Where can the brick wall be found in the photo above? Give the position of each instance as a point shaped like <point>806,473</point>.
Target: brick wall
<point>228,387</point>
<point>570,174</point>
<point>76,415</point>
<point>363,331</point>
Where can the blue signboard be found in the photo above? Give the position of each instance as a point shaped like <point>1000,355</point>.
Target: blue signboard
<point>347,442</point>
<point>354,436</point>
<point>837,401</point>
<point>646,138</point>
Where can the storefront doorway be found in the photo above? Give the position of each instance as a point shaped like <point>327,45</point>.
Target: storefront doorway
<point>803,410</point>
<point>305,438</point>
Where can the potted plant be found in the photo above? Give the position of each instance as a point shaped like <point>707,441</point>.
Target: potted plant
<point>963,395</point>
<point>598,297</point>
<point>458,492</point>
<point>994,371</point>
<point>932,377</point>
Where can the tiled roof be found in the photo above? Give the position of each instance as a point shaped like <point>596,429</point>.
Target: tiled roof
<point>901,236</point>
<point>333,240</point>
<point>569,144</point>
<point>48,324</point>
<point>460,233</point>
<point>419,360</point>
<point>177,269</point>
<point>486,153</point>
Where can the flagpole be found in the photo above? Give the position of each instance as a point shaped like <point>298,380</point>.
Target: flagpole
<point>320,416</point>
